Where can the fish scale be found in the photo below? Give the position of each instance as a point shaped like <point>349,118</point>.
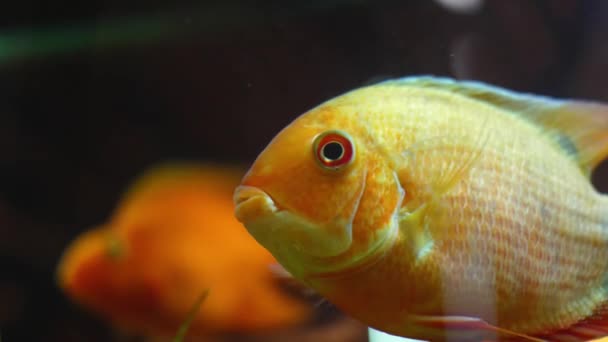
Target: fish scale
<point>498,230</point>
<point>546,272</point>
<point>517,225</point>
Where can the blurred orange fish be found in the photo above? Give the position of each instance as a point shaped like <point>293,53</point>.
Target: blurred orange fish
<point>173,237</point>
<point>442,210</point>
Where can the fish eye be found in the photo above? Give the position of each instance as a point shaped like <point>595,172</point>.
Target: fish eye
<point>114,248</point>
<point>333,150</point>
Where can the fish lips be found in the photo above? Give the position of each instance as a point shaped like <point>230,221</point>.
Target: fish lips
<point>286,234</point>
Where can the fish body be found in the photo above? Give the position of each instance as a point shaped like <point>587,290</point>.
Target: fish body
<point>441,210</point>
<point>172,239</point>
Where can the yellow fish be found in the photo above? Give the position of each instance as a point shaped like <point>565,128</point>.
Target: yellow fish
<point>172,239</point>
<point>442,210</point>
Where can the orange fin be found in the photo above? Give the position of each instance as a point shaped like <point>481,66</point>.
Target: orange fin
<point>174,180</point>
<point>468,327</point>
<point>578,128</point>
<point>189,170</point>
<point>170,174</point>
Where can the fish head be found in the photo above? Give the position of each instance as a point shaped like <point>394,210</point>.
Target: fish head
<point>87,262</point>
<point>319,197</point>
<point>99,272</point>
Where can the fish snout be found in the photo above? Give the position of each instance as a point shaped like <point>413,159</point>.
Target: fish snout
<point>251,204</point>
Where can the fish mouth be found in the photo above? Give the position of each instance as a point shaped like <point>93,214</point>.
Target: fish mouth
<point>251,203</point>
<point>286,234</point>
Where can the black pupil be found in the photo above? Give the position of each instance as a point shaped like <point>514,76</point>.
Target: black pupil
<point>333,150</point>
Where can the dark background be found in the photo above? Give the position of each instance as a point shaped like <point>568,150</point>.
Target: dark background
<point>215,81</point>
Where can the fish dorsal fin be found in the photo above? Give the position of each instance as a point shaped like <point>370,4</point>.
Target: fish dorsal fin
<point>184,172</point>
<point>578,128</point>
<point>181,174</point>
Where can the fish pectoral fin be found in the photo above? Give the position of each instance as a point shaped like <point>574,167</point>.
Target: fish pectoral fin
<point>428,170</point>
<point>414,227</point>
<point>467,326</point>
<point>431,167</point>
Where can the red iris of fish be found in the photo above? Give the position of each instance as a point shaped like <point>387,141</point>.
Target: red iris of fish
<point>333,150</point>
